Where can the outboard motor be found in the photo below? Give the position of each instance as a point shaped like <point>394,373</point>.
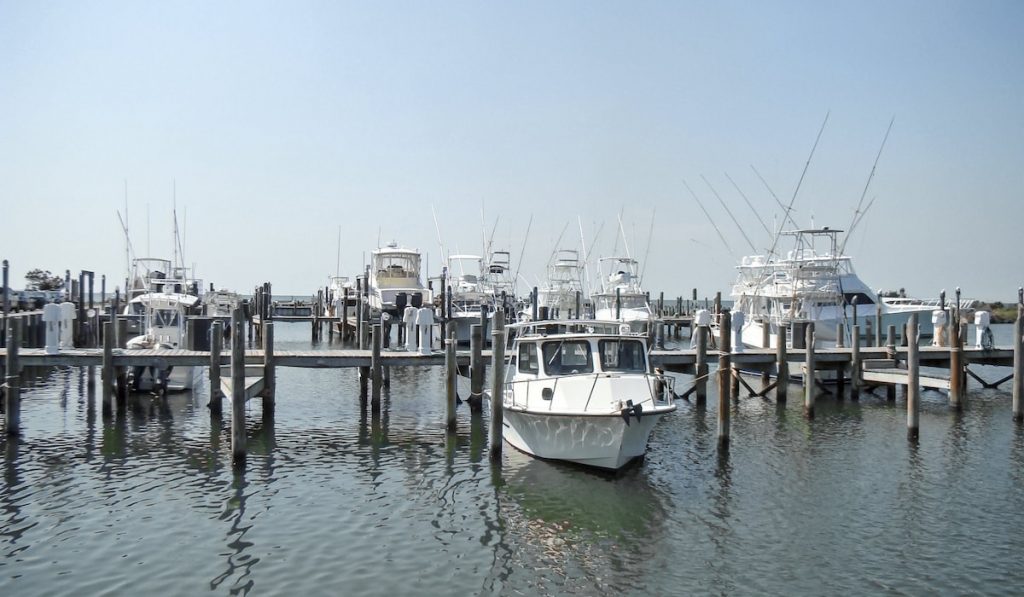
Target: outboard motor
<point>401,300</point>
<point>417,299</point>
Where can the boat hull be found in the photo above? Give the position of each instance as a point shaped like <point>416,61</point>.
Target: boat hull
<point>603,441</point>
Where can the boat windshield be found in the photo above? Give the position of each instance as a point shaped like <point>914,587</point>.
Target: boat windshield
<point>397,265</point>
<point>567,357</point>
<point>622,355</point>
<point>627,301</point>
<point>165,318</point>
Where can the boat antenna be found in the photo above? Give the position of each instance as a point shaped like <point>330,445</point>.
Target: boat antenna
<point>729,211</point>
<point>623,232</point>
<point>708,216</point>
<point>857,212</point>
<point>785,212</point>
<point>437,229</point>
<point>647,252</point>
<point>583,242</point>
<point>337,271</point>
<point>742,194</point>
<point>519,264</point>
<point>127,239</point>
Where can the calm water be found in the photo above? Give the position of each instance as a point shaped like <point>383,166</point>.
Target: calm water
<point>335,501</point>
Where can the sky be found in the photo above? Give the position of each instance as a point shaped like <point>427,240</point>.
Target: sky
<point>276,128</point>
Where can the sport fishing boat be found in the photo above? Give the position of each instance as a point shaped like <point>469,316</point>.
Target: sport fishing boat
<point>582,391</point>
<point>621,297</point>
<point>815,282</point>
<point>395,280</point>
<point>470,300</point>
<point>563,289</point>
<point>164,315</point>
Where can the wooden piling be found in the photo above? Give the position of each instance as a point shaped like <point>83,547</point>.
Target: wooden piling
<point>12,394</point>
<point>781,365</point>
<point>121,372</point>
<point>107,376</point>
<point>913,380</point>
<point>855,365</point>
<point>890,350</point>
<point>216,394</point>
<point>724,379</point>
<point>497,384</point>
<point>766,331</point>
<point>809,366</point>
<point>1018,366</point>
<point>344,317</point>
<point>238,447</point>
<point>376,374</point>
<point>476,368</point>
<point>701,366</point>
<point>878,322</point>
<point>451,374</point>
<point>269,370</point>
<point>955,368</point>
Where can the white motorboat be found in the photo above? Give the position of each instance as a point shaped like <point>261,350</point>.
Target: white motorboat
<point>164,316</point>
<point>582,391</point>
<point>563,290</point>
<point>471,302</point>
<point>220,303</point>
<point>621,297</point>
<point>815,282</point>
<point>395,281</point>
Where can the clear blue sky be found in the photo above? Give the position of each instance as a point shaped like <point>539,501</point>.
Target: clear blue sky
<point>282,121</point>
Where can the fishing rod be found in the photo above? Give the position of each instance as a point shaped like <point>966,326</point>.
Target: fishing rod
<point>728,211</point>
<point>713,225</point>
<point>864,193</point>
<point>802,175</point>
<point>757,215</point>
<point>785,213</point>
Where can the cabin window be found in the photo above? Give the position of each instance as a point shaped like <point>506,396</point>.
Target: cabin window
<point>165,318</point>
<point>528,358</point>
<point>622,355</point>
<point>567,357</point>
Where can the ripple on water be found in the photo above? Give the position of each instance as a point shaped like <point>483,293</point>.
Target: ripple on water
<point>338,499</point>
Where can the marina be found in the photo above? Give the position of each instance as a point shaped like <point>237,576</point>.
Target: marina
<point>516,299</point>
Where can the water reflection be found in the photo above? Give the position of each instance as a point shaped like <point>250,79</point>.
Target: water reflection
<point>238,564</point>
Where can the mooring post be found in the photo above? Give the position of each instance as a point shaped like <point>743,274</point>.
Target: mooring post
<point>498,383</point>
<point>809,367</point>
<point>238,447</point>
<point>476,368</point>
<point>913,380</point>
<point>1018,365</point>
<point>840,336</point>
<point>955,367</point>
<point>216,341</point>
<point>12,395</point>
<point>107,376</point>
<point>269,370</point>
<point>701,366</point>
<point>724,378</point>
<point>344,316</point>
<point>121,372</point>
<point>534,306</point>
<point>451,374</point>
<point>781,365</point>
<point>766,331</point>
<point>890,350</point>
<point>855,367</point>
<point>376,375</point>
<point>878,323</point>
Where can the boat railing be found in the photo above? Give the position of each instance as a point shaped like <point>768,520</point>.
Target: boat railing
<point>660,388</point>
